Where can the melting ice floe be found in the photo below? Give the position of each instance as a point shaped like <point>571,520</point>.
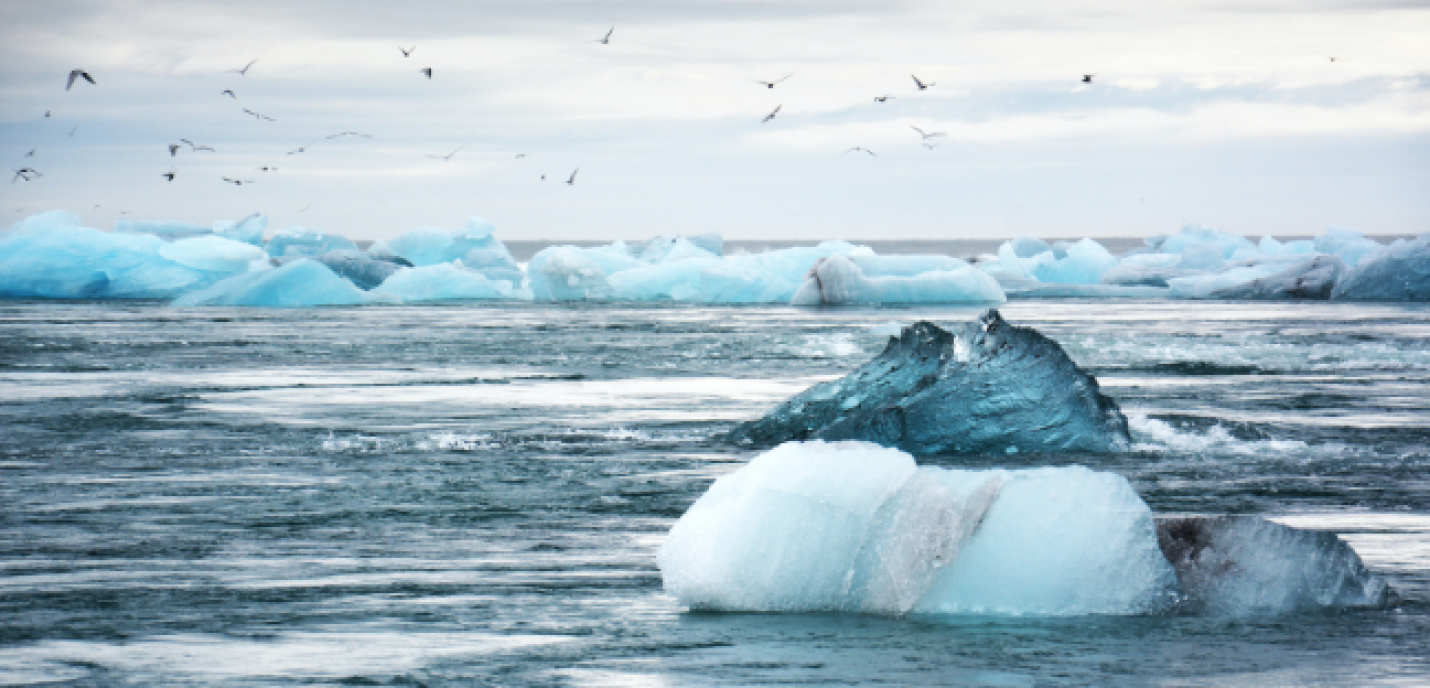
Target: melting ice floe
<point>851,526</point>
<point>52,255</point>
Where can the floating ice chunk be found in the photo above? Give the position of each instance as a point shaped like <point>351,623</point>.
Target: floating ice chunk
<point>213,253</point>
<point>1311,278</point>
<point>837,280</point>
<point>677,280</point>
<point>249,230</point>
<point>163,230</point>
<point>982,388</point>
<point>1400,272</point>
<point>446,281</point>
<point>300,241</point>
<point>851,526</point>
<point>1083,263</point>
<point>1195,235</point>
<point>737,281</point>
<point>567,273</point>
<point>475,245</point>
<point>668,249</point>
<point>905,265</point>
<point>300,283</point>
<point>1027,247</point>
<point>1243,564</point>
<point>363,269</point>
<point>1350,245</point>
<point>1203,286</point>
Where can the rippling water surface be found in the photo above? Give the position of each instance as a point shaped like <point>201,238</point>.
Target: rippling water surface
<point>475,493</point>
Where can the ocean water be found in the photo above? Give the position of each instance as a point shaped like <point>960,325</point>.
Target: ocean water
<point>474,493</point>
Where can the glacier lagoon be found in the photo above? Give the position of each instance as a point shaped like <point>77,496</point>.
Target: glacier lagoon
<point>479,491</point>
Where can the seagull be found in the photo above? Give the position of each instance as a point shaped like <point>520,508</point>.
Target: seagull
<point>543,177</point>
<point>244,71</point>
<point>1087,78</point>
<point>173,149</point>
<point>930,146</point>
<point>255,114</point>
<point>268,169</point>
<point>922,85</point>
<point>883,99</point>
<point>863,150</point>
<point>238,182</point>
<point>771,84</point>
<point>1333,59</point>
<point>928,135</point>
<point>32,152</point>
<point>24,173</point>
<point>196,148</point>
<point>47,113</point>
<point>772,114</point>
<point>427,71</point>
<point>607,39</point>
<point>229,93</point>
<point>572,180</point>
<point>520,155</point>
<point>71,132</point>
<point>449,155</point>
<point>300,210</point>
<point>407,52</point>
<point>341,134</point>
<point>301,149</point>
<point>77,74</point>
<point>170,174</point>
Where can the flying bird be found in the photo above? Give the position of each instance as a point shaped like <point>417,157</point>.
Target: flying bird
<point>238,182</point>
<point>173,150</point>
<point>300,210</point>
<point>26,173</point>
<point>301,149</point>
<point>607,39</point>
<point>427,71</point>
<point>772,114</point>
<point>229,93</point>
<point>862,150</point>
<point>543,177</point>
<point>771,84</point>
<point>930,146</point>
<point>255,114</point>
<point>1333,59</point>
<point>923,86</point>
<point>927,135</point>
<point>71,132</point>
<point>341,134</point>
<point>268,169</point>
<point>196,148</point>
<point>47,113</point>
<point>1087,78</point>
<point>572,180</point>
<point>244,71</point>
<point>520,155</point>
<point>449,155</point>
<point>170,174</point>
<point>77,74</point>
<point>407,52</point>
<point>883,99</point>
<point>32,152</point>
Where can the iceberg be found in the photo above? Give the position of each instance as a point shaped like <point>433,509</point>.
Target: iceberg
<point>214,253</point>
<point>985,387</point>
<point>446,281</point>
<point>1398,272</point>
<point>476,245</point>
<point>299,241</point>
<point>1350,245</point>
<point>249,230</point>
<point>299,283</point>
<point>1312,278</point>
<point>362,269</point>
<point>163,230</point>
<point>1245,564</point>
<point>839,280</point>
<point>852,526</point>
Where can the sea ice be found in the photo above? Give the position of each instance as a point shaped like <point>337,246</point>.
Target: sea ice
<point>851,526</point>
<point>446,281</point>
<point>1245,564</point>
<point>985,387</point>
<point>475,245</point>
<point>301,241</point>
<point>1399,272</point>
<point>299,283</point>
<point>839,280</point>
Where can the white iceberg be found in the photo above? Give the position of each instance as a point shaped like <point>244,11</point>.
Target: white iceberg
<point>839,280</point>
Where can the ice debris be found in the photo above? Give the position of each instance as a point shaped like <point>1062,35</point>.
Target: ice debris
<point>895,279</point>
<point>985,387</point>
<point>446,281</point>
<point>852,526</point>
<point>302,282</point>
<point>1399,272</point>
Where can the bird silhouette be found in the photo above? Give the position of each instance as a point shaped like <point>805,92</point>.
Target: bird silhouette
<point>244,71</point>
<point>229,93</point>
<point>26,173</point>
<point>860,149</point>
<point>572,180</point>
<point>543,177</point>
<point>76,74</point>
<point>173,150</point>
<point>47,114</point>
<point>301,149</point>
<point>343,134</point>
<point>520,155</point>
<point>1333,59</point>
<point>170,174</point>
<point>407,52</point>
<point>195,147</point>
<point>883,99</point>
<point>300,210</point>
<point>255,114</point>
<point>771,84</point>
<point>427,71</point>
<point>268,169</point>
<point>772,114</point>
<point>238,182</point>
<point>449,155</point>
<point>71,132</point>
<point>930,146</point>
<point>607,39</point>
<point>1087,78</point>
<point>927,135</point>
<point>923,86</point>
<point>32,152</point>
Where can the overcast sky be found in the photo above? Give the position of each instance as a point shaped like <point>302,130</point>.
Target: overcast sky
<point>1223,113</point>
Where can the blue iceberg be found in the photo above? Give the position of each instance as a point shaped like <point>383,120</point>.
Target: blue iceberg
<point>985,387</point>
<point>445,282</point>
<point>362,269</point>
<point>302,242</point>
<point>1399,272</point>
<point>299,283</point>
